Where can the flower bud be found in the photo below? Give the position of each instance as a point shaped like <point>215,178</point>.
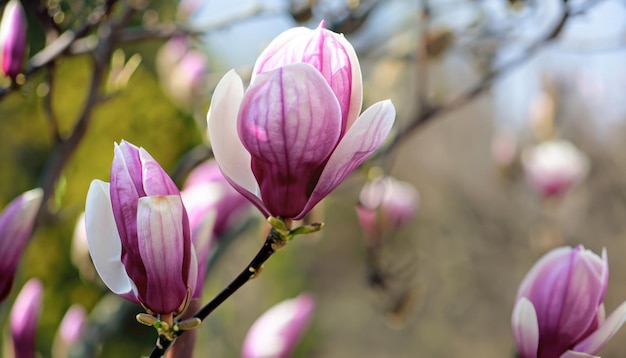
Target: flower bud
<point>386,204</point>
<point>13,38</point>
<point>24,318</point>
<point>278,331</point>
<point>294,135</point>
<point>559,310</point>
<point>138,233</point>
<point>554,167</point>
<point>16,226</point>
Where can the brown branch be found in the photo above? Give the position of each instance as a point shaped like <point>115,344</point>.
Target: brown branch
<point>60,46</point>
<point>427,113</point>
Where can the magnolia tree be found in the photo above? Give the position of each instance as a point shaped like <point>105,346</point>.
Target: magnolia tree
<point>275,136</point>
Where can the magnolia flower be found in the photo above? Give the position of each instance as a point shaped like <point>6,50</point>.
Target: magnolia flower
<point>182,71</point>
<point>138,233</point>
<point>386,204</point>
<point>295,134</point>
<point>13,38</point>
<point>277,332</point>
<point>553,167</point>
<point>24,318</point>
<point>16,226</point>
<point>559,310</point>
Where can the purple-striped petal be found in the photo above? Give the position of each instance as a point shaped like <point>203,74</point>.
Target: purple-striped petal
<point>289,122</point>
<point>230,154</point>
<point>593,343</point>
<point>155,180</point>
<point>326,51</point>
<point>567,291</point>
<point>105,245</point>
<point>525,328</point>
<point>162,247</point>
<point>125,190</point>
<point>363,138</point>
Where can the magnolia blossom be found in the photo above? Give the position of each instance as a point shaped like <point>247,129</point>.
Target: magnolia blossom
<point>559,310</point>
<point>13,38</point>
<point>386,204</point>
<point>138,233</point>
<point>182,71</point>
<point>24,318</point>
<point>295,134</point>
<point>277,332</point>
<point>553,167</point>
<point>16,226</point>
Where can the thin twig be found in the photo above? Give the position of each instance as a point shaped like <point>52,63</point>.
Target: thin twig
<point>426,114</point>
<point>272,243</point>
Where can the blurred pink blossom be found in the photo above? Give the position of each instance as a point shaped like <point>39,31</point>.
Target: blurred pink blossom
<point>278,331</point>
<point>553,167</point>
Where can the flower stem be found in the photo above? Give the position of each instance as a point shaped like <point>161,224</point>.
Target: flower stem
<point>272,243</point>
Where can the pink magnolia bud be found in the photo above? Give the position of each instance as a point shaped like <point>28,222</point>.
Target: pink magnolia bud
<point>24,318</point>
<point>386,204</point>
<point>559,310</point>
<point>294,135</point>
<point>278,331</point>
<point>16,226</point>
<point>13,38</point>
<point>138,233</point>
<point>553,167</point>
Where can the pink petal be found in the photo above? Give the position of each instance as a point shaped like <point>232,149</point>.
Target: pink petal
<point>277,332</point>
<point>593,343</point>
<point>155,180</point>
<point>363,138</point>
<point>162,248</point>
<point>290,122</point>
<point>230,154</point>
<point>525,328</point>
<point>105,245</point>
<point>330,53</point>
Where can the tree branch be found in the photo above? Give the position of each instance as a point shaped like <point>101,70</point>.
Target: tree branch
<point>272,243</point>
